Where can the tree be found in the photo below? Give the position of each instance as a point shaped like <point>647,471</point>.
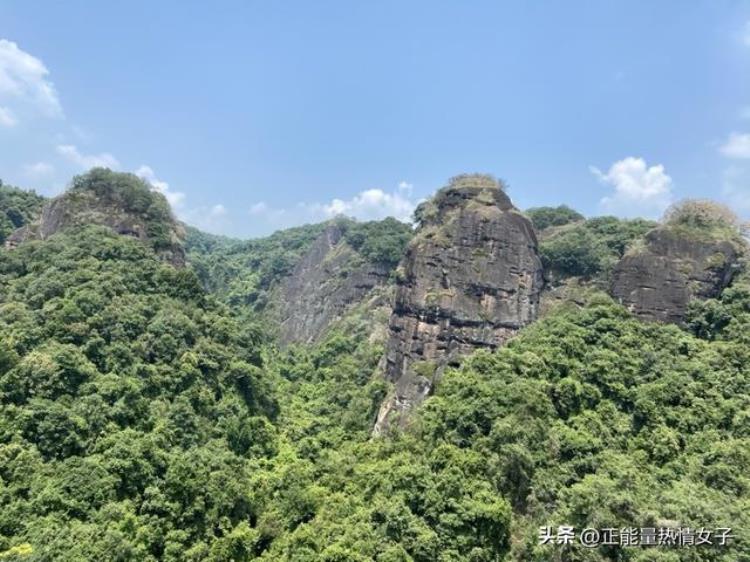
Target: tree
<point>590,247</point>
<point>545,217</point>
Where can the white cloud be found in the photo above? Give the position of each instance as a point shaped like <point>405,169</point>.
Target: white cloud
<point>217,211</point>
<point>406,188</point>
<point>7,118</point>
<point>745,112</point>
<point>371,204</point>
<point>24,83</point>
<point>259,208</point>
<point>737,146</point>
<point>87,161</point>
<point>279,217</point>
<point>211,219</point>
<point>639,189</point>
<point>146,173</point>
<point>39,170</point>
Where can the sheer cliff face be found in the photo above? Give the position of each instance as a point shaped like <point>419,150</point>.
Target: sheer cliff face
<point>657,281</point>
<point>470,279</point>
<point>328,280</point>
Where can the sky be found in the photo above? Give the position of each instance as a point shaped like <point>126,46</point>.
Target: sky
<point>255,116</point>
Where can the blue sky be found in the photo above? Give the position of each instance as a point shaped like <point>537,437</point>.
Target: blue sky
<point>252,116</point>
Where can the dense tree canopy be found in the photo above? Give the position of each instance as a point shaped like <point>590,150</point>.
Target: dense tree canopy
<point>243,272</point>
<point>140,422</point>
<point>115,193</point>
<point>141,419</point>
<point>119,383</point>
<point>380,242</point>
<point>593,419</point>
<point>545,217</point>
<point>591,247</point>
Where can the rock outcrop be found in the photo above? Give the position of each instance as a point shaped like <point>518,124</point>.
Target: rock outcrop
<point>471,278</point>
<point>657,280</point>
<point>327,281</point>
<point>121,202</point>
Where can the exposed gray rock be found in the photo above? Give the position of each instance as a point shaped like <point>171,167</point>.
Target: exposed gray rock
<point>471,278</point>
<point>658,280</point>
<point>326,282</point>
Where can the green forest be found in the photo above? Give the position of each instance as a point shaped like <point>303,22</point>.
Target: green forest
<point>147,413</point>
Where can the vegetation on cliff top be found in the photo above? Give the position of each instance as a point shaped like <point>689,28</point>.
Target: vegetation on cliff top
<point>591,247</point>
<point>483,186</point>
<point>704,220</point>
<point>116,193</point>
<point>545,217</point>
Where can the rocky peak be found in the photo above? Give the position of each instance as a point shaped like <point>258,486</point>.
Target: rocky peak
<point>673,266</point>
<point>471,278</point>
<point>122,202</point>
<point>476,190</point>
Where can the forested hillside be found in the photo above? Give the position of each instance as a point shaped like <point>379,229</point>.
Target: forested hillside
<point>342,260</point>
<point>148,414</point>
<point>125,397</point>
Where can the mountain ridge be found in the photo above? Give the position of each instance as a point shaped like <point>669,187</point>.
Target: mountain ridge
<point>146,418</point>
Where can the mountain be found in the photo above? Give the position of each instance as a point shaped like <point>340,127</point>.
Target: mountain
<point>340,269</point>
<point>123,203</point>
<point>127,402</point>
<point>155,409</point>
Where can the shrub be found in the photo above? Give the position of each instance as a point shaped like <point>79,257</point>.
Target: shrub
<point>588,248</point>
<point>701,213</point>
<point>475,180</point>
<point>382,242</point>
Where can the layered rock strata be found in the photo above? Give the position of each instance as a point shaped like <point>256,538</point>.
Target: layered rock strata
<point>657,280</point>
<point>471,278</point>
